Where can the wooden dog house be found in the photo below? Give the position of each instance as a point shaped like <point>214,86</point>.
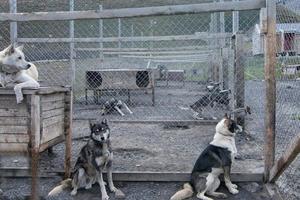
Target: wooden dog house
<point>40,121</point>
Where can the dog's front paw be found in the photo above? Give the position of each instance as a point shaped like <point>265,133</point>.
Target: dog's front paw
<point>234,186</point>
<point>19,99</point>
<point>105,197</point>
<point>113,189</point>
<point>233,191</point>
<point>74,192</point>
<point>119,194</point>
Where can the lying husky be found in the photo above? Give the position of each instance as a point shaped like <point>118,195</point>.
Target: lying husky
<point>94,157</point>
<point>16,71</point>
<point>214,160</point>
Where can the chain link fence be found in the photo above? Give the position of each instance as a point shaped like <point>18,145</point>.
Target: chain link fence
<point>189,67</point>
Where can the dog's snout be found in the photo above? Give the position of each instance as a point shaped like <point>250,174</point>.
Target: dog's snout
<point>28,66</point>
<point>102,138</point>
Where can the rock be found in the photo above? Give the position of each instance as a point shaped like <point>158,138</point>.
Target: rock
<point>119,194</point>
<point>1,192</point>
<point>15,161</point>
<point>253,187</point>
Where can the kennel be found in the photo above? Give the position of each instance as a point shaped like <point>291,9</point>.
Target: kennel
<point>120,79</point>
<point>42,120</point>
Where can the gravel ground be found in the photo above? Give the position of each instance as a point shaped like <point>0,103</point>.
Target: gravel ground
<point>17,189</point>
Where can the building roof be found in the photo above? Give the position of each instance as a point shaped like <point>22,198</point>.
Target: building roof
<point>288,27</point>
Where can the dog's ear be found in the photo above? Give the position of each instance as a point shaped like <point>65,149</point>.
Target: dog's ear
<point>226,116</point>
<point>20,47</point>
<point>9,50</point>
<point>92,125</point>
<point>104,121</point>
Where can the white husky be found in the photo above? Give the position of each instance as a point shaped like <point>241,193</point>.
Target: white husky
<point>16,71</point>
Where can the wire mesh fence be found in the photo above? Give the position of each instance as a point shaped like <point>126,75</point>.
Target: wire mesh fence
<point>179,67</point>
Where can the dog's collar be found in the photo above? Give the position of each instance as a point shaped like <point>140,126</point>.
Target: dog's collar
<point>231,135</point>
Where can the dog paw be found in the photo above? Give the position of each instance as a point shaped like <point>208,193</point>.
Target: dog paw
<point>119,194</point>
<point>222,195</point>
<point>113,189</point>
<point>234,186</point>
<point>88,187</point>
<point>105,197</point>
<point>74,192</point>
<point>233,191</point>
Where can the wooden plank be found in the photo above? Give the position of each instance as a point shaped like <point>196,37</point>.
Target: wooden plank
<point>68,133</point>
<point>14,138</point>
<point>51,143</point>
<point>21,121</point>
<point>141,176</point>
<point>52,97</point>
<point>204,47</point>
<point>51,113</point>
<point>136,12</point>
<point>41,90</point>
<point>198,36</point>
<point>270,65</point>
<point>191,52</point>
<point>13,129</point>
<point>13,147</point>
<point>52,132</point>
<point>8,112</point>
<point>172,122</point>
<point>286,159</point>
<point>52,105</point>
<point>10,102</point>
<point>52,120</point>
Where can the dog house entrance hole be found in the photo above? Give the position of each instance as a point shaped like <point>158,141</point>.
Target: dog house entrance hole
<point>142,79</point>
<point>94,79</point>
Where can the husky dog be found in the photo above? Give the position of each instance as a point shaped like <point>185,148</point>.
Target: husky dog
<point>114,105</point>
<point>214,160</point>
<point>14,69</point>
<point>94,157</point>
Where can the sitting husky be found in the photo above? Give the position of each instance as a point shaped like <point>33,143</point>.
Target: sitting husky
<point>214,160</point>
<point>94,157</point>
<point>15,70</point>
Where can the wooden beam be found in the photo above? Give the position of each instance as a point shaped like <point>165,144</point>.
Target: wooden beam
<point>286,159</point>
<point>202,36</point>
<point>138,176</point>
<point>136,12</point>
<point>270,64</point>
<point>197,52</point>
<point>195,48</point>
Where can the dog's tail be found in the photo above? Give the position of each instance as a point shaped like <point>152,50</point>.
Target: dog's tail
<point>186,192</point>
<point>58,189</point>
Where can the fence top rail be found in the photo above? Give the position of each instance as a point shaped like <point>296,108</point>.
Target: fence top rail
<point>136,12</point>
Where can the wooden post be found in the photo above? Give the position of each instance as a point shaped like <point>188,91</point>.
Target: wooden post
<point>72,52</point>
<point>68,132</point>
<point>119,34</point>
<point>34,136</point>
<point>239,77</point>
<point>270,62</point>
<point>225,65</point>
<point>286,159</point>
<point>235,20</point>
<point>101,36</point>
<point>13,25</point>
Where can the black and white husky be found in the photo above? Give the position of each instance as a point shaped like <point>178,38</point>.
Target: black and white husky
<point>214,160</point>
<point>94,157</point>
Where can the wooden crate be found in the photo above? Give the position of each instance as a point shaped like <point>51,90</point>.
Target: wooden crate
<point>41,120</point>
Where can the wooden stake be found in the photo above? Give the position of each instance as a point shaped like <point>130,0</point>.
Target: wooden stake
<point>286,159</point>
<point>270,61</point>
